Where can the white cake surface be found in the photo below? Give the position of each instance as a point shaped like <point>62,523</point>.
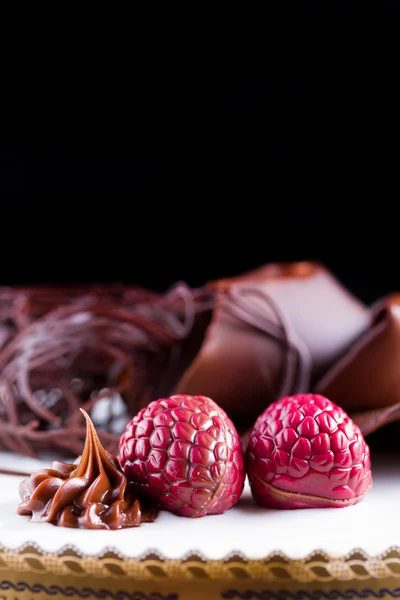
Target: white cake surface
<point>372,526</point>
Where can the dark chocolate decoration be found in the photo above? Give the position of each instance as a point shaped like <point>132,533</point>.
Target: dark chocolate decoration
<point>275,331</point>
<point>107,349</point>
<point>91,493</point>
<point>14,473</point>
<point>366,381</point>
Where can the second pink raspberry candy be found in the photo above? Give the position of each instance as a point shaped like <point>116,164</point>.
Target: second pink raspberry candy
<point>305,452</point>
<point>184,452</point>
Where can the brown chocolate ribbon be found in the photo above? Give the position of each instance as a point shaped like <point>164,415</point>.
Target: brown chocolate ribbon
<point>65,349</point>
<point>296,372</point>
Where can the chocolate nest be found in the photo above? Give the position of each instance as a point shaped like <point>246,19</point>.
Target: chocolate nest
<point>108,350</point>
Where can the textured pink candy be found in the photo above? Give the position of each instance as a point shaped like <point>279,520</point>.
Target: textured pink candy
<point>185,453</point>
<point>306,452</point>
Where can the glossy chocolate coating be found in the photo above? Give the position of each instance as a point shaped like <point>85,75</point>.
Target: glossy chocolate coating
<point>274,332</point>
<point>306,452</point>
<point>91,493</point>
<point>366,381</point>
<point>185,453</point>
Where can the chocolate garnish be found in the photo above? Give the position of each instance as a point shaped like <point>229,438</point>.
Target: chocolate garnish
<point>99,348</point>
<point>91,493</point>
<point>14,472</point>
<point>366,381</point>
<point>274,332</point>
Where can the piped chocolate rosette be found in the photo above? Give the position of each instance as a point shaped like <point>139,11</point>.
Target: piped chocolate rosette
<point>91,493</point>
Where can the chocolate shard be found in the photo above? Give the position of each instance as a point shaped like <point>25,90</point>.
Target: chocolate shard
<point>366,381</point>
<point>274,331</point>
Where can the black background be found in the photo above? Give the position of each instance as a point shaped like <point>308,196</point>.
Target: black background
<point>198,185</point>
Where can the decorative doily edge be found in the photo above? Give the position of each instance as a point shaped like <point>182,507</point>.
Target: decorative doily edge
<point>317,566</point>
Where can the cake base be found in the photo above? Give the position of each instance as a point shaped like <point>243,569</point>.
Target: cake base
<point>249,552</point>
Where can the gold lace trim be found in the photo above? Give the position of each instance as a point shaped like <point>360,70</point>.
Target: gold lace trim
<point>277,567</point>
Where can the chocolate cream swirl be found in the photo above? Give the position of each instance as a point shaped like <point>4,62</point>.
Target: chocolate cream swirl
<point>91,493</point>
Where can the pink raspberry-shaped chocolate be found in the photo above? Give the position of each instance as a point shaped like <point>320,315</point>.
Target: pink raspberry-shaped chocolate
<point>306,452</point>
<point>185,453</point>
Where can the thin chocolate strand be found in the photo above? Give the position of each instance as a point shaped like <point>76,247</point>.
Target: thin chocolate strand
<point>65,349</point>
<point>16,473</point>
<point>298,363</point>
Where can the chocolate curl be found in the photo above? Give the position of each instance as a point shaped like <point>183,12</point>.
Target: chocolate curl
<point>366,381</point>
<point>67,350</point>
<point>20,306</point>
<point>274,331</point>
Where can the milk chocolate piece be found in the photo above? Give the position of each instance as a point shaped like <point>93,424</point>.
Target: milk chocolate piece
<point>92,493</point>
<point>274,332</point>
<point>366,381</point>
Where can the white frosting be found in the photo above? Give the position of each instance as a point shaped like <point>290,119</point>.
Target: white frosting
<point>372,525</point>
